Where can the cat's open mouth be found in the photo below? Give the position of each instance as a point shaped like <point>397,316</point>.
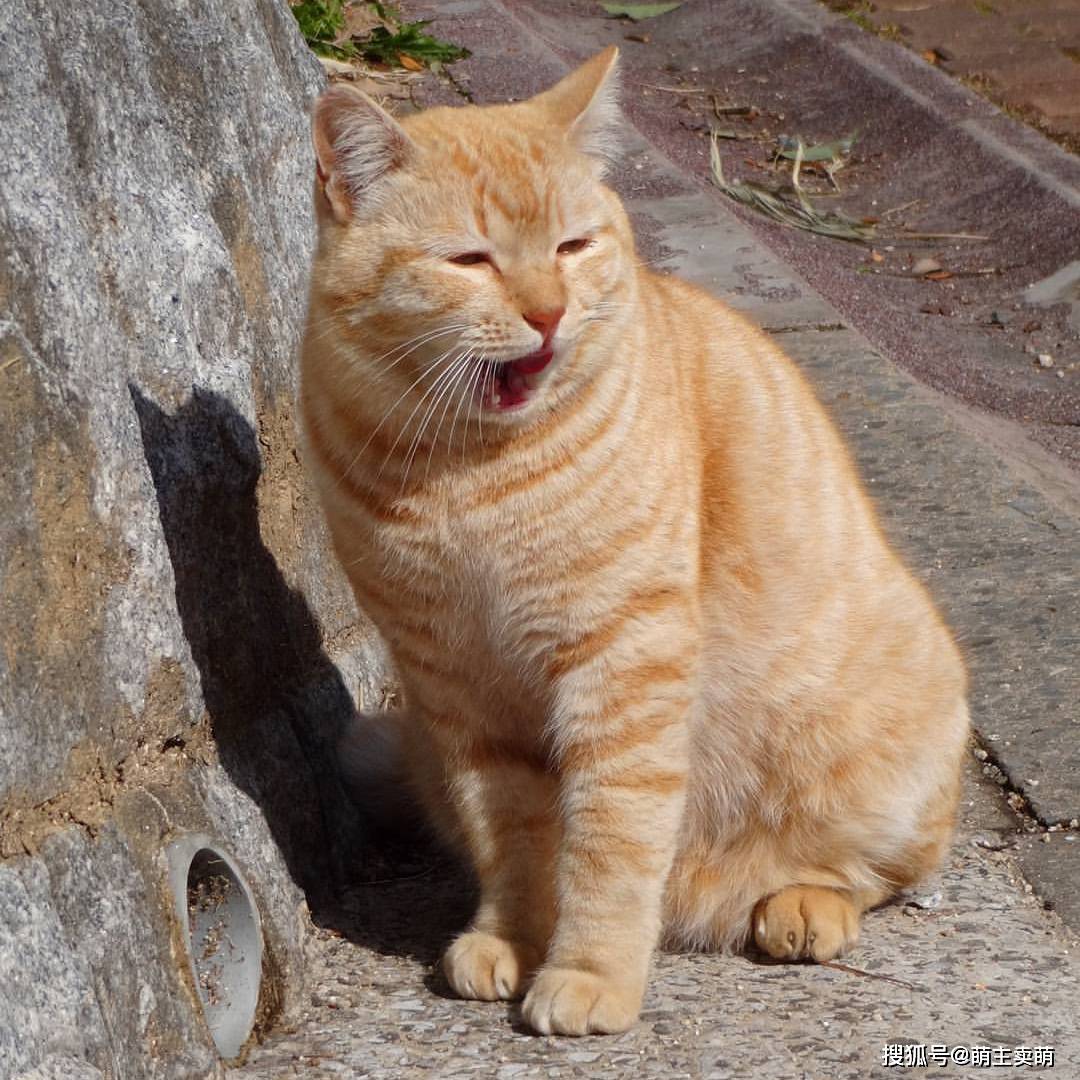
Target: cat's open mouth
<point>510,383</point>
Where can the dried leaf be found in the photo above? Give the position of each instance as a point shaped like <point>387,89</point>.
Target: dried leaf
<point>732,110</point>
<point>830,151</point>
<point>637,12</point>
<point>925,266</point>
<point>797,215</point>
<point>407,62</point>
<point>938,275</point>
<point>337,68</point>
<point>936,55</point>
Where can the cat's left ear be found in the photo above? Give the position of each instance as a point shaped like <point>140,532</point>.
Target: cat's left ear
<point>356,144</point>
<point>586,104</point>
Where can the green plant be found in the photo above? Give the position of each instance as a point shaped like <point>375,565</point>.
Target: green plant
<point>389,46</point>
<point>408,40</point>
<point>320,22</point>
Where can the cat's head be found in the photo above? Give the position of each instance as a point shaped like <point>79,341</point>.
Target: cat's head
<point>473,253</point>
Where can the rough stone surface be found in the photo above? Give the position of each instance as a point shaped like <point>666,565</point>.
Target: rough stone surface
<point>178,651</point>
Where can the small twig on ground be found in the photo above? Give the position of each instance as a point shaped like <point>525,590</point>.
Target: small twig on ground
<point>989,271</point>
<point>675,89</point>
<point>837,966</point>
<point>900,209</point>
<point>944,236</point>
<point>8,363</point>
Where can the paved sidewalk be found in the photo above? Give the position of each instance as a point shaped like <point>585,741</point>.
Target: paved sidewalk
<point>980,964</point>
<point>978,957</point>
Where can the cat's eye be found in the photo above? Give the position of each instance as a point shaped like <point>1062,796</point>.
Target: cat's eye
<point>471,258</point>
<point>572,247</point>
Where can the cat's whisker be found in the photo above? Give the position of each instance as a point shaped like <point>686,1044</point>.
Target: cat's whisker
<point>383,372</point>
<point>446,358</point>
<point>404,348</point>
<point>470,379</point>
<point>432,396</point>
<point>416,343</point>
<point>488,378</point>
<point>462,369</point>
<point>445,381</point>
<point>463,375</point>
<point>389,412</point>
<point>472,396</point>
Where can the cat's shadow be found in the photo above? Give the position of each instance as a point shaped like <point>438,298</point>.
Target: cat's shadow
<point>277,705</point>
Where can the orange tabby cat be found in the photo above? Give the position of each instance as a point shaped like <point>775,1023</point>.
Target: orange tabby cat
<point>664,675</point>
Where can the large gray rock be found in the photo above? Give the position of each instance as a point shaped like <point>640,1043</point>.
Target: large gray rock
<point>177,650</point>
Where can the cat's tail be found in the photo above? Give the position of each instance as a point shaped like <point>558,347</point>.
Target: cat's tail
<point>371,765</point>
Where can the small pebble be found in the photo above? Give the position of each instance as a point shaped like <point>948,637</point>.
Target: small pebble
<point>1045,360</point>
<point>927,902</point>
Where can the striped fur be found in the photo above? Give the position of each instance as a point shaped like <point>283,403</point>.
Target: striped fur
<point>664,677</point>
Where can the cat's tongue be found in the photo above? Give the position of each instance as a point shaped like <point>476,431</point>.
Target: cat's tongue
<point>514,381</point>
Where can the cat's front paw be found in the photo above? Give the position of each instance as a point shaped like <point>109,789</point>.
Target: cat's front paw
<point>565,1001</point>
<point>484,967</point>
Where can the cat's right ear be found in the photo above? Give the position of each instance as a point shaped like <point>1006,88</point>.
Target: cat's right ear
<point>356,144</point>
<point>586,104</point>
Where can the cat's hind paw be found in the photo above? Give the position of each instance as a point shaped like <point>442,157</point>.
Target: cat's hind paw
<point>484,967</point>
<point>565,1001</point>
<point>806,921</point>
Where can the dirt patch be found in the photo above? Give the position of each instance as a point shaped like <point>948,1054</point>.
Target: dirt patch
<point>65,560</point>
<point>281,492</point>
<point>1021,54</point>
<point>230,207</point>
<point>91,784</point>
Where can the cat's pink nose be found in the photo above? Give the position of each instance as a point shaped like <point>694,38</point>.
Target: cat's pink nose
<point>545,321</point>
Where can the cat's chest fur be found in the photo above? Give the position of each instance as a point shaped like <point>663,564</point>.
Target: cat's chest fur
<point>477,570</point>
